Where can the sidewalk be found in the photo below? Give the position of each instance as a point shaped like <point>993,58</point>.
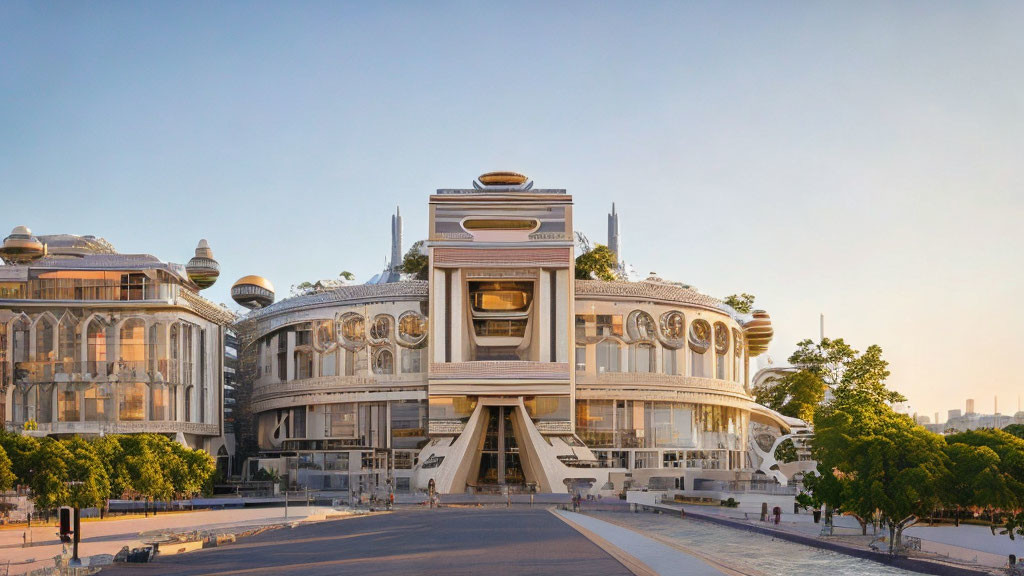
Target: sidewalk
<point>109,536</point>
<point>657,558</point>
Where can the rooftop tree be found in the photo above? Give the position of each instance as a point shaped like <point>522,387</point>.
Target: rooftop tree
<point>597,264</point>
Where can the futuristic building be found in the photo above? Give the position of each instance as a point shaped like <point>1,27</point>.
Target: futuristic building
<point>96,342</point>
<point>504,372</point>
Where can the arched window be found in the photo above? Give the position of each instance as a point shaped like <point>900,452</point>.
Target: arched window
<point>609,356</point>
<point>68,345</point>
<point>97,348</point>
<point>132,401</point>
<point>132,351</point>
<point>721,349</point>
<point>45,353</point>
<point>175,368</point>
<point>383,362</point>
<point>699,340</point>
<point>641,358</point>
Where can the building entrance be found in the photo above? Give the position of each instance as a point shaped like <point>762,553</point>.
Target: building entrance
<point>500,464</point>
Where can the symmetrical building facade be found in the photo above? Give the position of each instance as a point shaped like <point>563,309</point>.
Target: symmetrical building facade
<point>96,342</point>
<point>502,370</point>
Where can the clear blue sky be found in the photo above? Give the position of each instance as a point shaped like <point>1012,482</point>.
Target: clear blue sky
<point>862,159</point>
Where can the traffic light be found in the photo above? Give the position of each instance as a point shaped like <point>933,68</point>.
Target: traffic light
<point>66,522</point>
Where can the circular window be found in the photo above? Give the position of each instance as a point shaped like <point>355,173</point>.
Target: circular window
<point>673,329</point>
<point>721,338</point>
<point>380,330</point>
<point>351,329</point>
<point>700,336</point>
<point>325,336</point>
<point>412,329</point>
<point>640,326</point>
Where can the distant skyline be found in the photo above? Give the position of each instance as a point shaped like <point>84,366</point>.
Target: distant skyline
<point>859,160</point>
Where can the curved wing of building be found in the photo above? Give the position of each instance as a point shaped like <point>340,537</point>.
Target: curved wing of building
<point>502,371</point>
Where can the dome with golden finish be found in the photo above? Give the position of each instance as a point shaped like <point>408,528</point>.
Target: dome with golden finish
<point>21,247</point>
<point>502,179</point>
<point>758,333</point>
<point>253,292</point>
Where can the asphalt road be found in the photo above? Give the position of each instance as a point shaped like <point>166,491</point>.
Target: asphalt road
<point>491,541</point>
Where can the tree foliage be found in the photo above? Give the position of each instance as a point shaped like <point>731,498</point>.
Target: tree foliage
<point>742,303</point>
<point>6,474</point>
<point>416,262</point>
<point>1015,429</point>
<point>597,264</point>
<point>86,473</point>
<point>796,395</point>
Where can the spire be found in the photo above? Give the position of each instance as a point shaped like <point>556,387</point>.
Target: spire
<point>613,234</point>
<point>396,246</point>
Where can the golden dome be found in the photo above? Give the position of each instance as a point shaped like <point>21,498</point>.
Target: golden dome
<point>502,179</point>
<point>21,247</point>
<point>758,333</point>
<point>254,281</point>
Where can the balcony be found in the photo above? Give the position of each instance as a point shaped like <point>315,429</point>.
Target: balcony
<point>102,371</point>
<point>500,370</point>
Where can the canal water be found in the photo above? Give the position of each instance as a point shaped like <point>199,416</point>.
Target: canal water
<point>748,552</point>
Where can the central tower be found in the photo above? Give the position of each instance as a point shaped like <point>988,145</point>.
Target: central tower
<point>501,310</point>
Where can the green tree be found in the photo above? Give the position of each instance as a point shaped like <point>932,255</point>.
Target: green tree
<point>49,481</point>
<point>416,263</point>
<point>89,484</point>
<point>141,461</point>
<point>742,303</point>
<point>109,450</point>
<point>7,477</point>
<point>974,479</point>
<point>346,275</point>
<point>597,264</point>
<point>796,395</point>
<point>896,472</point>
<point>20,449</point>
<point>872,459</point>
<point>1015,429</point>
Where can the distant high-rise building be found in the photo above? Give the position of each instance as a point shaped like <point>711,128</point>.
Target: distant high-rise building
<point>936,417</point>
<point>396,246</point>
<point>970,406</point>
<point>953,414</point>
<point>614,240</point>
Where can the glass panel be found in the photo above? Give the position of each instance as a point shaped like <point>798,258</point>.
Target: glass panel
<point>412,361</point>
<point>67,403</point>
<point>500,296</point>
<point>609,357</point>
<point>547,408</point>
<point>131,401</point>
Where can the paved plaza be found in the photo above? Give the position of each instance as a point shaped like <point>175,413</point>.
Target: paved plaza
<point>446,542</point>
<point>109,536</point>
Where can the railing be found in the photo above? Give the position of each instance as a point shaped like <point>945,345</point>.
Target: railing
<point>94,371</point>
<point>748,486</point>
<point>119,427</point>
<point>335,383</point>
<point>656,380</point>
